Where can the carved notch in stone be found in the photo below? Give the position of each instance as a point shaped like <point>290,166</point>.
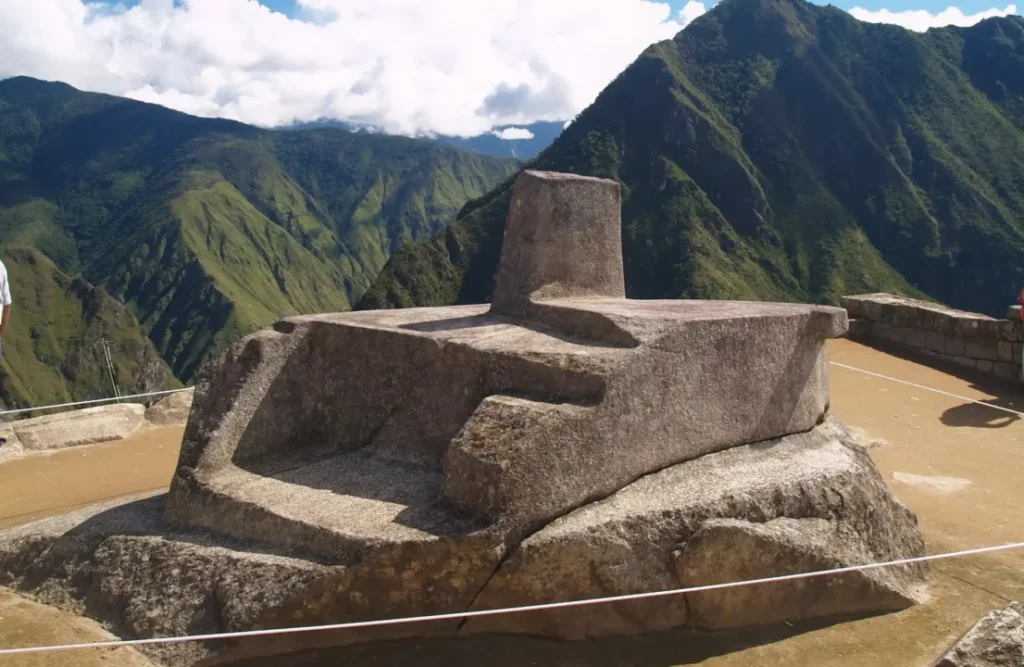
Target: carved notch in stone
<point>563,239</point>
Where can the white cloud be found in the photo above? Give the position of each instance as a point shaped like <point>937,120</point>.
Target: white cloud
<point>690,11</point>
<point>921,20</point>
<point>458,67</point>
<point>447,66</point>
<point>513,133</point>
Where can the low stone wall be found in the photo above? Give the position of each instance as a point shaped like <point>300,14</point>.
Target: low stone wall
<point>967,339</point>
<point>79,427</point>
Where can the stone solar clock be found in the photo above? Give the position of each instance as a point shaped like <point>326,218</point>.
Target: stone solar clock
<point>561,443</point>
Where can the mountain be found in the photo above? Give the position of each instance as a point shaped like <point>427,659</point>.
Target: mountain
<point>206,228</point>
<point>53,345</point>
<point>776,149</point>
<point>542,133</point>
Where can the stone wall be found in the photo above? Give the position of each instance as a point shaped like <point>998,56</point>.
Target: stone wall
<point>967,339</point>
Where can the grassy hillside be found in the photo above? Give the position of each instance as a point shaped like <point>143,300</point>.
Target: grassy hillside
<point>52,348</point>
<point>777,149</point>
<point>208,229</point>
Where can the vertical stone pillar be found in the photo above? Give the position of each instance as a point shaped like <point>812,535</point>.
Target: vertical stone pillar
<point>563,238</point>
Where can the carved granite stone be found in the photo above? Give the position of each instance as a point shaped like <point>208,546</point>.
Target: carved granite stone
<point>562,442</point>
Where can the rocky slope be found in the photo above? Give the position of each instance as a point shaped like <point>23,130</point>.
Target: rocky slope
<point>777,149</point>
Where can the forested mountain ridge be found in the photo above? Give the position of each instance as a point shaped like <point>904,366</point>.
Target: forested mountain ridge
<point>776,149</point>
<point>208,229</point>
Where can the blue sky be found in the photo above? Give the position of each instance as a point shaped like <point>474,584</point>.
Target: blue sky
<point>457,67</point>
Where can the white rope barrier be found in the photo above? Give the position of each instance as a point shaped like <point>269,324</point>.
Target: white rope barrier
<point>93,401</point>
<point>507,610</point>
<point>937,391</point>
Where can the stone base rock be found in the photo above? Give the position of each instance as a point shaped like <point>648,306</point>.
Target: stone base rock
<point>113,563</point>
<point>726,550</point>
<point>803,502</point>
<point>171,410</point>
<point>997,640</point>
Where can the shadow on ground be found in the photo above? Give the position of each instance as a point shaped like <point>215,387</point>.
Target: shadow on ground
<point>1007,394</point>
<point>977,415</point>
<point>680,647</point>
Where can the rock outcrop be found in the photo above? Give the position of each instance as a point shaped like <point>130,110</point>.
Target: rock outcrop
<point>805,502</point>
<point>78,427</point>
<point>997,640</point>
<point>171,410</point>
<point>562,443</point>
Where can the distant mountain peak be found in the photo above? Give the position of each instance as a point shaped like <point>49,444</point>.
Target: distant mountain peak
<point>494,142</point>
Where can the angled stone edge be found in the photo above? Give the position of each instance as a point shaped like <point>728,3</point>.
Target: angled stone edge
<point>996,640</point>
<point>805,502</point>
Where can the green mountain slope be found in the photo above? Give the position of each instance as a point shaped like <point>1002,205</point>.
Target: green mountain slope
<point>207,228</point>
<point>52,346</point>
<point>777,149</point>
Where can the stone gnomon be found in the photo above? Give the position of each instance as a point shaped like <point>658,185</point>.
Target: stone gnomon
<point>563,442</point>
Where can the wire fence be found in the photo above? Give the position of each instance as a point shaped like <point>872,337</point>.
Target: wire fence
<point>932,389</point>
<point>93,401</point>
<point>119,397</point>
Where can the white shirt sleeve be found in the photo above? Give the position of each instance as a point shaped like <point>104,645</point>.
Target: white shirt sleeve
<point>5,289</point>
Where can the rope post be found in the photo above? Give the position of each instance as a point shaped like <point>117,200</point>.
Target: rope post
<point>110,370</point>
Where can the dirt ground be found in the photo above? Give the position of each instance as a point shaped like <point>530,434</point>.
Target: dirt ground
<point>47,484</point>
<point>26,623</point>
<point>43,485</point>
<point>957,464</point>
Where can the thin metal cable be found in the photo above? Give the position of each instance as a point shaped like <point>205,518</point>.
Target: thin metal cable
<point>921,386</point>
<point>94,400</point>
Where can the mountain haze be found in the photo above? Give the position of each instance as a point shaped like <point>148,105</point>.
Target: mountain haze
<point>208,229</point>
<point>776,149</point>
<point>544,132</point>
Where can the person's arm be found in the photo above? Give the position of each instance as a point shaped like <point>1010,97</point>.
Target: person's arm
<point>5,298</point>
